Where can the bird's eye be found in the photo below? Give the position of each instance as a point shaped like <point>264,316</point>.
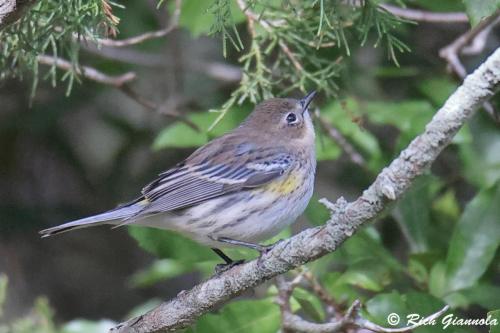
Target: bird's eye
<point>291,118</point>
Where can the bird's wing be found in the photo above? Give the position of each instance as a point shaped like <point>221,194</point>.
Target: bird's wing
<point>203,177</point>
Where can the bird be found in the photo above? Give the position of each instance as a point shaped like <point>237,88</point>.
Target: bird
<point>239,189</point>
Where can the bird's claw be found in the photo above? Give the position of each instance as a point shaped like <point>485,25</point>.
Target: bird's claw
<point>221,268</point>
<point>264,249</point>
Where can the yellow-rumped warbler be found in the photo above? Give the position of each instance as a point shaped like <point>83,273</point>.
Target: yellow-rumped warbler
<point>239,189</point>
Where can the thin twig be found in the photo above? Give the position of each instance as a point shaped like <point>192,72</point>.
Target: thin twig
<point>291,56</point>
<point>294,323</point>
<point>135,39</point>
<point>174,22</point>
<point>416,14</point>
<point>425,16</point>
<point>168,108</point>
<point>476,37</point>
<point>346,218</point>
<point>331,306</point>
<point>88,72</point>
<point>253,17</point>
<point>451,52</point>
<point>217,70</point>
<point>120,82</point>
<point>339,138</point>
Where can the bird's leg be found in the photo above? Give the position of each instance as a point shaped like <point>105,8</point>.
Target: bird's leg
<point>223,256</point>
<point>263,249</point>
<point>230,263</point>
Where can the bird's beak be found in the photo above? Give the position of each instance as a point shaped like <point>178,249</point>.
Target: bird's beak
<point>307,100</point>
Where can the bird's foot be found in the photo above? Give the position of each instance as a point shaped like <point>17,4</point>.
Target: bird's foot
<point>221,268</point>
<point>264,249</point>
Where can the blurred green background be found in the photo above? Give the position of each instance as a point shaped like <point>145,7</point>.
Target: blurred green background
<point>65,157</point>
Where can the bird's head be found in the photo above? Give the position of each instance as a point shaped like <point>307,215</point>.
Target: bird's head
<point>283,119</point>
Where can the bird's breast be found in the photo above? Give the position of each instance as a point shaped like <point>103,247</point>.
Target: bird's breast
<point>287,185</point>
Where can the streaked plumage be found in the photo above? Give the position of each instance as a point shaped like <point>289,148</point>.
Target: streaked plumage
<point>246,185</point>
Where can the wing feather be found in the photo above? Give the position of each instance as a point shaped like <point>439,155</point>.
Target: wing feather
<point>191,183</point>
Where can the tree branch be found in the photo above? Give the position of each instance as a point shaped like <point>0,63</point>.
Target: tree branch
<point>417,14</point>
<point>451,52</point>
<point>345,218</point>
<point>331,306</point>
<point>168,107</point>
<point>88,72</point>
<point>425,16</point>
<point>174,22</point>
<point>120,82</point>
<point>12,10</point>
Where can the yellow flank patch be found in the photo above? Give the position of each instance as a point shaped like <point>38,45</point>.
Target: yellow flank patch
<point>284,186</point>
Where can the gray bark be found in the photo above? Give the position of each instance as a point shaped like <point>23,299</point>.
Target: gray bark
<point>12,10</point>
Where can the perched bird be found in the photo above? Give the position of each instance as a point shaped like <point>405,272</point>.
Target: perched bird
<point>239,189</point>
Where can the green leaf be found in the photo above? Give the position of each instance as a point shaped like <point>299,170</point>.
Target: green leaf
<point>412,213</point>
<point>310,304</point>
<point>196,19</point>
<point>316,213</point>
<point>381,306</point>
<point>424,305</point>
<point>437,89</point>
<point>480,155</point>
<point>168,244</point>
<point>341,292</point>
<point>3,291</point>
<point>477,10</point>
<point>495,321</point>
<point>447,206</point>
<point>326,148</point>
<point>410,117</point>
<point>159,270</point>
<point>456,300</point>
<point>340,114</point>
<point>417,269</point>
<point>366,245</point>
<point>384,307</point>
<point>396,72</point>
<point>485,295</point>
<point>186,254</point>
<point>368,265</point>
<point>180,135</point>
<point>437,279</point>
<point>367,274</point>
<point>474,241</point>
<point>249,316</point>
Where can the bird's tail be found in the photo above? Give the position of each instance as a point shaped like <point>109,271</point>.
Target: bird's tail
<point>119,213</point>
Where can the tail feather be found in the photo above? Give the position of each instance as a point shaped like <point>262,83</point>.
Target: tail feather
<point>95,220</point>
